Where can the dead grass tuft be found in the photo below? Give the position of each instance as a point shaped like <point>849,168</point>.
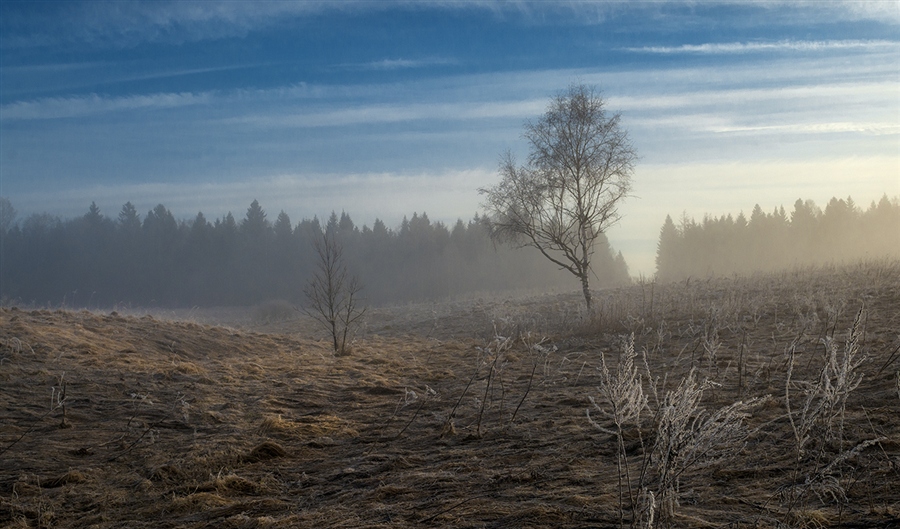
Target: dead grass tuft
<point>168,473</point>
<point>73,476</point>
<point>275,423</point>
<point>264,452</point>
<point>809,519</point>
<point>232,483</point>
<point>197,502</point>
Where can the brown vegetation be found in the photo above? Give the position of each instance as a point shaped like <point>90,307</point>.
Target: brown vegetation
<point>125,421</point>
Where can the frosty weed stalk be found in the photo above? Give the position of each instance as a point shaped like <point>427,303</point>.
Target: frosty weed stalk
<point>687,437</point>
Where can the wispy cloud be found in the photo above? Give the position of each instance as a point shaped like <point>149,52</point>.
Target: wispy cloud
<point>394,114</point>
<point>288,114</point>
<point>875,128</point>
<point>52,68</point>
<point>128,23</point>
<point>34,79</point>
<point>70,107</point>
<point>398,64</point>
<point>848,92</point>
<point>781,45</point>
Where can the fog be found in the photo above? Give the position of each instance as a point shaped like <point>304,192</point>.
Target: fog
<point>153,260</point>
<point>95,261</point>
<point>841,233</point>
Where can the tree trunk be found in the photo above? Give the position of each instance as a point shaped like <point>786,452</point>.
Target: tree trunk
<point>586,290</point>
<point>334,336</point>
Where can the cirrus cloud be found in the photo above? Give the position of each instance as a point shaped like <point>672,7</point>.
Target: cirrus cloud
<point>781,45</point>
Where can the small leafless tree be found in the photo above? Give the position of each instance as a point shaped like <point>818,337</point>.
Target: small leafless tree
<point>578,170</point>
<point>333,292</point>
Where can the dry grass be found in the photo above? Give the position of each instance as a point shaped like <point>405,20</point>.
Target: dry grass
<point>178,424</point>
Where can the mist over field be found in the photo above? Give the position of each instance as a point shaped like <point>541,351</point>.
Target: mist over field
<point>777,241</point>
<point>153,260</point>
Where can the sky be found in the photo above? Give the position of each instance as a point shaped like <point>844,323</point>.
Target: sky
<point>386,108</point>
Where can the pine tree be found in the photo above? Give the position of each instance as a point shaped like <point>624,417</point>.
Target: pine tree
<point>667,266</point>
<point>282,228</point>
<point>129,221</point>
<point>255,226</point>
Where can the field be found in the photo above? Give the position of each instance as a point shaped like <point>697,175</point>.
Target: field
<point>470,413</point>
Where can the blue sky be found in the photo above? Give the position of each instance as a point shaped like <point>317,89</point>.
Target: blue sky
<point>385,108</point>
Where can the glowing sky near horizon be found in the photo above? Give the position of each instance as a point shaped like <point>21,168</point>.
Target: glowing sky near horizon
<point>383,109</point>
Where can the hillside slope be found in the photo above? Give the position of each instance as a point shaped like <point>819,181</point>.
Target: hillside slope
<point>112,421</point>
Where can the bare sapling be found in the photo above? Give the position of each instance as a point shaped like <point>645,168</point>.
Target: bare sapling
<point>58,393</point>
<point>891,358</point>
<point>333,292</point>
<point>447,428</point>
<point>409,397</point>
<point>57,401</point>
<point>740,366</point>
<point>711,343</point>
<point>495,350</point>
<point>540,355</point>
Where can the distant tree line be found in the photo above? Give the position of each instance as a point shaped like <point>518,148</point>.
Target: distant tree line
<point>727,245</point>
<point>157,260</point>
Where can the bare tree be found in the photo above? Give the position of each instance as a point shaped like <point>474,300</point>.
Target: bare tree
<point>578,170</point>
<point>332,292</point>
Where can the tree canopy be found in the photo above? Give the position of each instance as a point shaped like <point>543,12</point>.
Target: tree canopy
<point>568,192</point>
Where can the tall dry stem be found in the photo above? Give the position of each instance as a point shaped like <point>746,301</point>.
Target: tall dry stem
<point>820,420</point>
<point>625,400</point>
<point>823,407</point>
<point>689,438</point>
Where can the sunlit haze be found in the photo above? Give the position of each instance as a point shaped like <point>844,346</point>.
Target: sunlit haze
<point>382,109</point>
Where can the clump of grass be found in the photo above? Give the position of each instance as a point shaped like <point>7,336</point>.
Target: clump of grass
<point>264,451</point>
<point>72,476</point>
<point>196,502</point>
<point>15,345</point>
<point>823,408</point>
<point>275,423</point>
<point>687,438</point>
<point>818,423</point>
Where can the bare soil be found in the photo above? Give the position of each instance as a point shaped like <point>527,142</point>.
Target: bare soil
<point>109,420</point>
